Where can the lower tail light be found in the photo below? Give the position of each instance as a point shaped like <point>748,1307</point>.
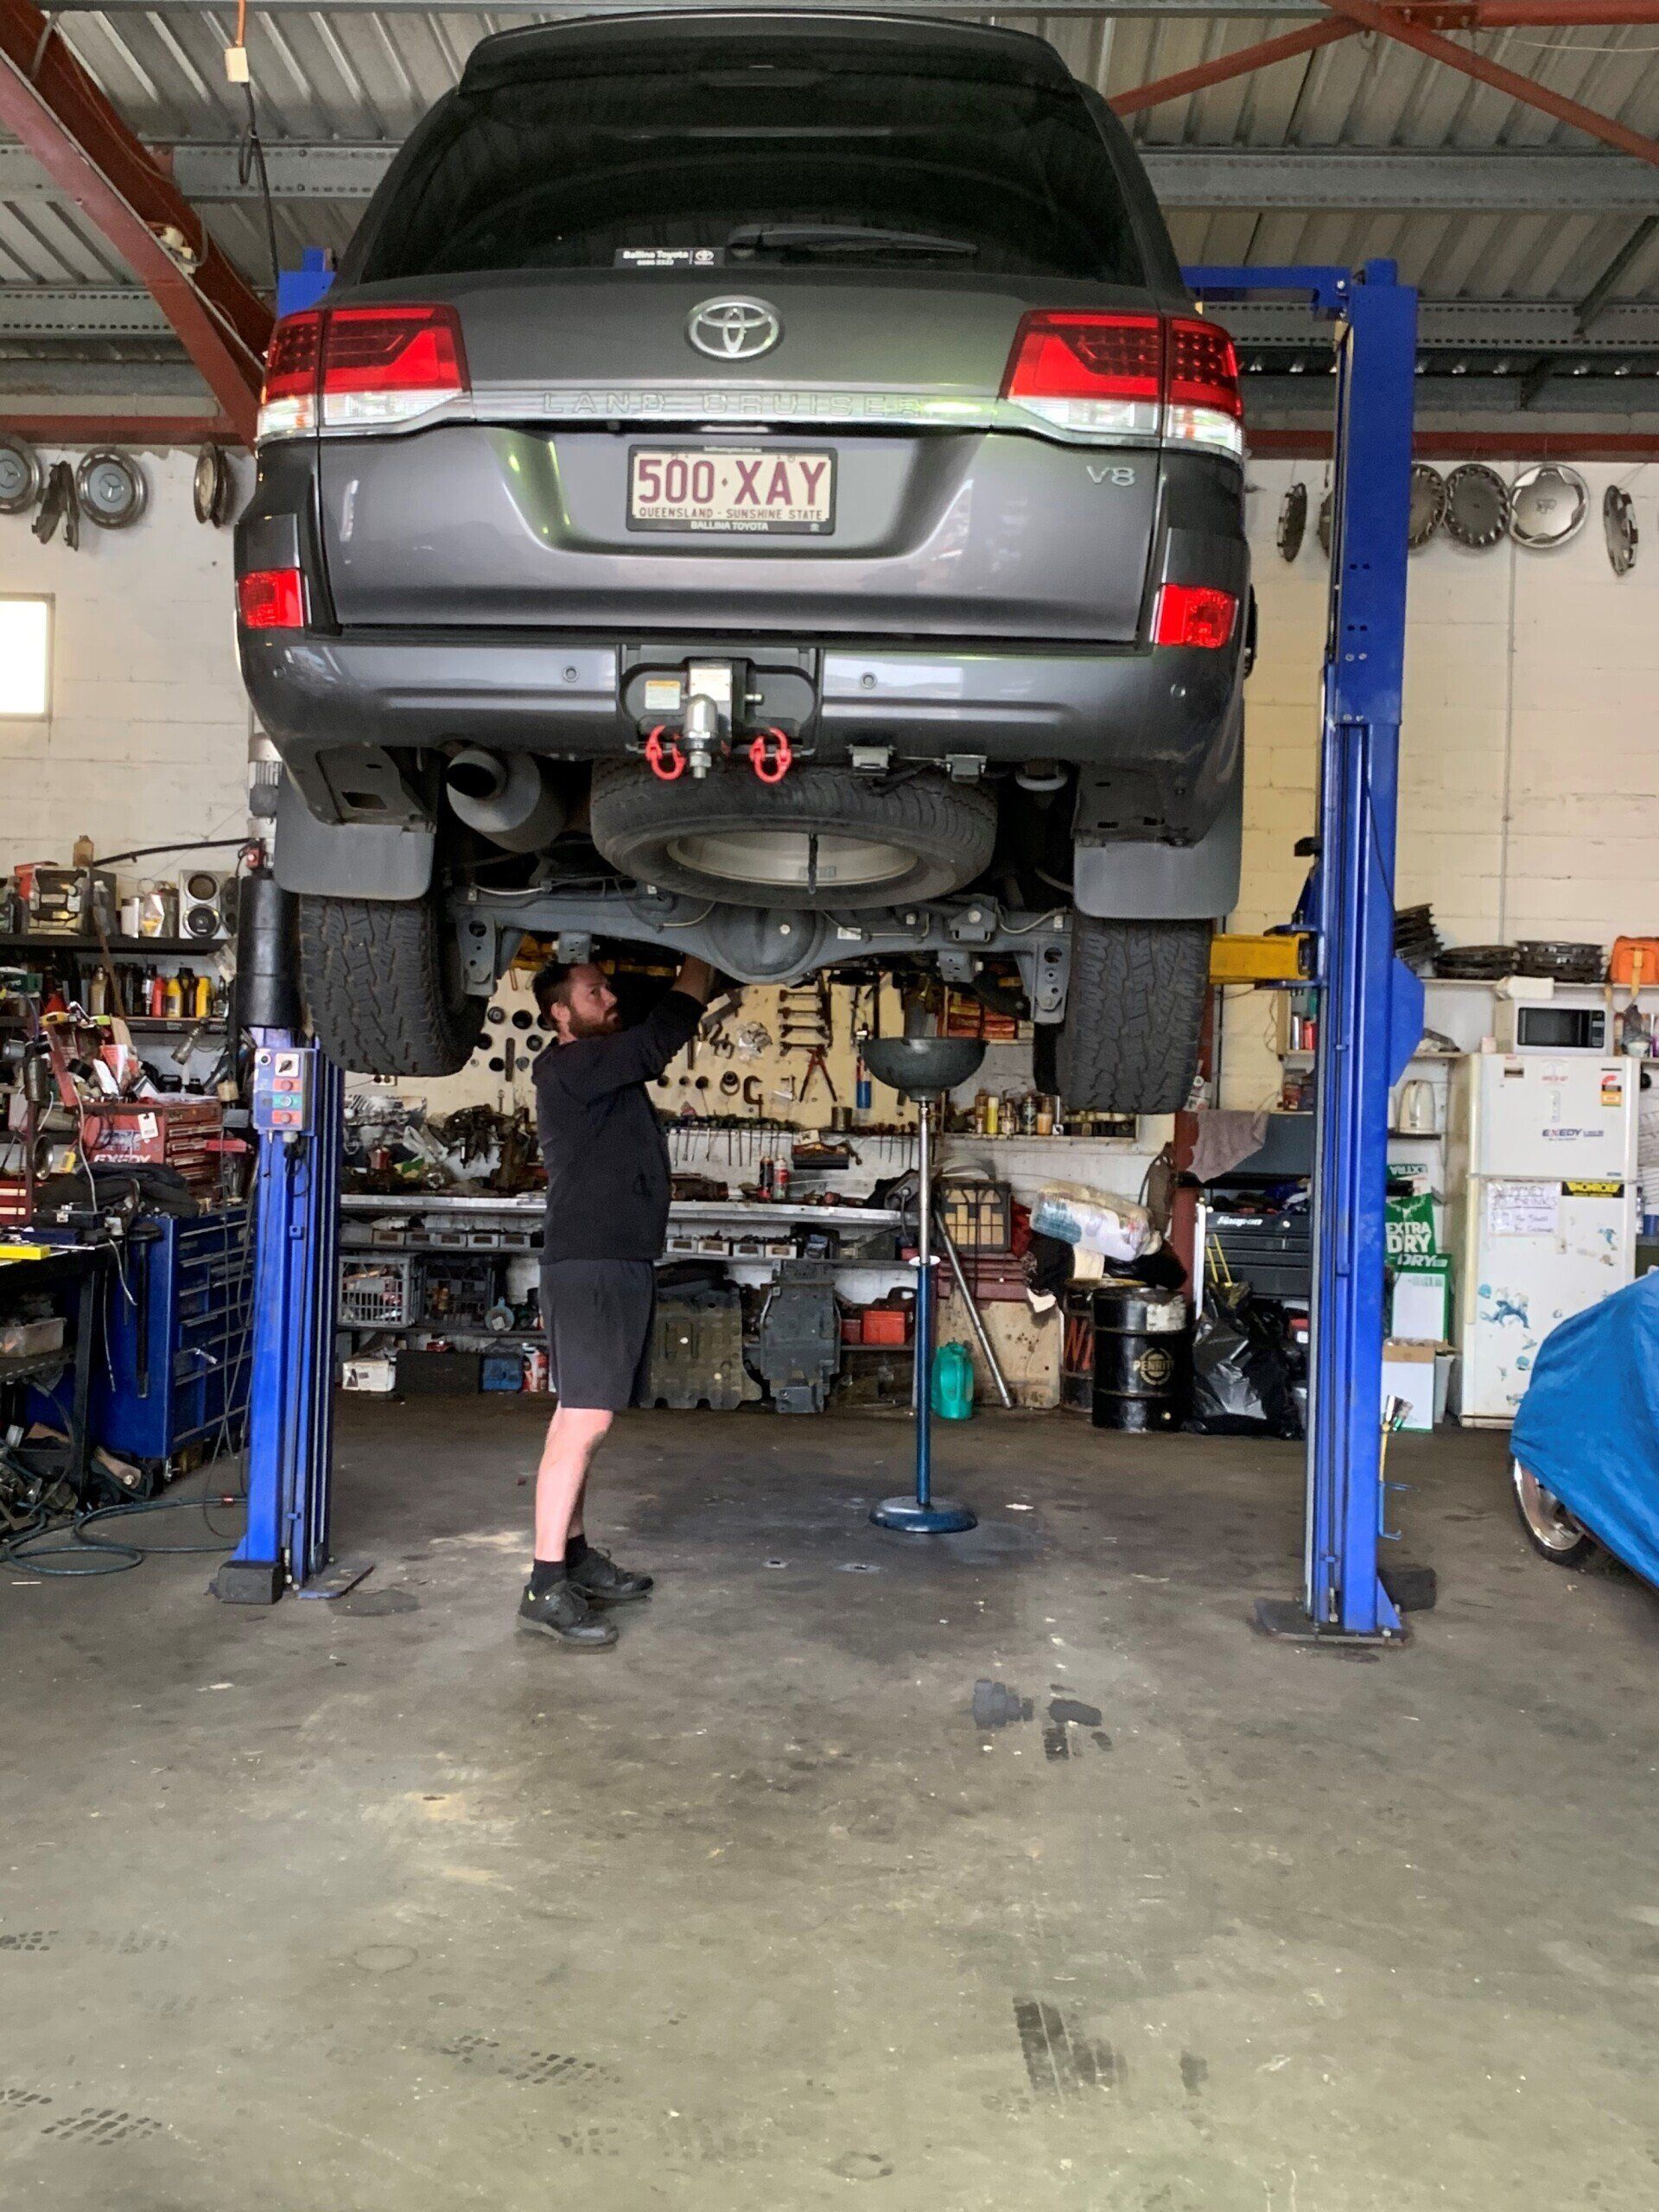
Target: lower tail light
<point>360,368</point>
<point>1194,615</point>
<point>271,599</point>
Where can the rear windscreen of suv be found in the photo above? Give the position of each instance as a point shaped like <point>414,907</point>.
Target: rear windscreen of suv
<point>588,172</point>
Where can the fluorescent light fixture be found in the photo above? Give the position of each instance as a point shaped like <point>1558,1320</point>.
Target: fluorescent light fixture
<point>26,658</point>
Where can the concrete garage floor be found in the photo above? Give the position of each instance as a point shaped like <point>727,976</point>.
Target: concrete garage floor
<point>379,1905</point>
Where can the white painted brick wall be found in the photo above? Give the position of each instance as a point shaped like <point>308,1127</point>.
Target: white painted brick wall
<point>147,738</point>
<point>1529,750</point>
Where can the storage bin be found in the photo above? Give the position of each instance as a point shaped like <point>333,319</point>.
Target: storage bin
<point>23,1340</point>
<point>438,1374</point>
<point>379,1294</point>
<point>502,1371</point>
<point>885,1325</point>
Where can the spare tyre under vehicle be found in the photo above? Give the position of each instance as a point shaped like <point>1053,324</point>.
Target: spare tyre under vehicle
<point>823,838</point>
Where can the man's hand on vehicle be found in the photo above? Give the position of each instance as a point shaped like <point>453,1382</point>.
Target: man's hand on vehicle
<point>696,979</point>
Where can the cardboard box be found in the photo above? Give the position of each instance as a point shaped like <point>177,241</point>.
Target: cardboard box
<point>1420,1304</point>
<point>379,1376</point>
<point>1408,1374</point>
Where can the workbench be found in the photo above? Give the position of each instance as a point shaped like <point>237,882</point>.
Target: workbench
<point>695,1224</point>
<point>75,1275</point>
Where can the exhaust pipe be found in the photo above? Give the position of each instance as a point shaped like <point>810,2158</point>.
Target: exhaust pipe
<point>510,800</point>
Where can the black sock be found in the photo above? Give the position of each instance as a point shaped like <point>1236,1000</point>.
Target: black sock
<point>543,1574</point>
<point>576,1551</point>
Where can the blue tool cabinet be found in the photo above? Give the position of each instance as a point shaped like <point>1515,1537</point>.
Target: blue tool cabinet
<point>177,1327</point>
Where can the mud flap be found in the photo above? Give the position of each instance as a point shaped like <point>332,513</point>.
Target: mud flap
<point>346,859</point>
<point>1126,881</point>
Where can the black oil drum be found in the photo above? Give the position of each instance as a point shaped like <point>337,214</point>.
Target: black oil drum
<point>1142,1358</point>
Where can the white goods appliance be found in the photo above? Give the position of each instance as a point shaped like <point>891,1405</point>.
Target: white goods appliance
<point>1540,1165</point>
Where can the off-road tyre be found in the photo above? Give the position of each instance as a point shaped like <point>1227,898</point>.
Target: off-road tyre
<point>1134,1015</point>
<point>381,982</point>
<point>948,828</point>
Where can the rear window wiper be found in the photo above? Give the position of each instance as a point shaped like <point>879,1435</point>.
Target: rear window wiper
<point>840,237</point>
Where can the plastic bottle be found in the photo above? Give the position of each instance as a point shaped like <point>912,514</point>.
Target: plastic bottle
<point>953,1382</point>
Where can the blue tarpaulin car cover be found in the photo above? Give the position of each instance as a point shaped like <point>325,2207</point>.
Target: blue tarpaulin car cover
<point>1588,1427</point>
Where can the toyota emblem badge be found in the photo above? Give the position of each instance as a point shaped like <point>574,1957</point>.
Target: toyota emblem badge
<point>733,329</point>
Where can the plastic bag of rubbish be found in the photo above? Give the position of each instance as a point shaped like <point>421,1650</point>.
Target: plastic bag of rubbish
<point>1096,1221</point>
<point>1241,1373</point>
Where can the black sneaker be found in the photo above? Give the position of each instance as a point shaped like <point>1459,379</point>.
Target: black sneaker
<point>602,1582</point>
<point>563,1612</point>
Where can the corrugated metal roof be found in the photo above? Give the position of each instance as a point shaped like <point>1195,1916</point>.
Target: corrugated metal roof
<point>359,76</point>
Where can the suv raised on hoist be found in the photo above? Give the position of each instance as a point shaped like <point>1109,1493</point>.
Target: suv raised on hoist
<point>758,485</point>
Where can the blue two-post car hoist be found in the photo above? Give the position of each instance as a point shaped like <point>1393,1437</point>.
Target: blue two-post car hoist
<point>1370,1019</point>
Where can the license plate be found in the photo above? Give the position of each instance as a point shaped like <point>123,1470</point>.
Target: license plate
<point>751,493</point>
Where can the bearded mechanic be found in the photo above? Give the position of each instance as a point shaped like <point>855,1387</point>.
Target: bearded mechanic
<point>608,1197</point>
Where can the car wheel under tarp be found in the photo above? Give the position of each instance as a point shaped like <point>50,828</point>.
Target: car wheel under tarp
<point>1553,1533</point>
<point>823,838</point>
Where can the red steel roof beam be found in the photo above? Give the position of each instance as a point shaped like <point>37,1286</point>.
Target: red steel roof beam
<point>48,101</point>
<point>153,430</point>
<point>1225,66</point>
<point>1590,120</point>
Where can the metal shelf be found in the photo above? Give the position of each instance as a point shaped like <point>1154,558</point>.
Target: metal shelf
<point>9,942</point>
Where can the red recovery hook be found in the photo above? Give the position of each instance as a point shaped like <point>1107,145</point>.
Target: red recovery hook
<point>666,762</point>
<point>771,767</point>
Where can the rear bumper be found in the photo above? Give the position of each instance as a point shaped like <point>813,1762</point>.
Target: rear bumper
<point>1160,713</point>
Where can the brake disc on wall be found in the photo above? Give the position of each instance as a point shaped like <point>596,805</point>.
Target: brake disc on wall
<point>1548,506</point>
<point>1619,521</point>
<point>1477,505</point>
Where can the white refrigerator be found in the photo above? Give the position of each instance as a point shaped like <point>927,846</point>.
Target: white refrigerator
<point>1540,1165</point>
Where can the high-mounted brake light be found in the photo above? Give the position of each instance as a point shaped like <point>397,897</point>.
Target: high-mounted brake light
<point>1096,375</point>
<point>271,599</point>
<point>357,368</point>
<point>1194,615</point>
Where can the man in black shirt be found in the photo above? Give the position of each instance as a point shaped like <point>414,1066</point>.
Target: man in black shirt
<point>608,1194</point>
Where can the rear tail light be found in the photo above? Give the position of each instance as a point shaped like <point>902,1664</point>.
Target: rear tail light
<point>288,402</point>
<point>1097,373</point>
<point>383,365</point>
<point>271,599</point>
<point>351,368</point>
<point>1194,615</point>
<point>1104,376</point>
<point>1203,407</point>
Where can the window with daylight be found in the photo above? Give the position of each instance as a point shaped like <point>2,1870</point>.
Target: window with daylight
<point>25,657</point>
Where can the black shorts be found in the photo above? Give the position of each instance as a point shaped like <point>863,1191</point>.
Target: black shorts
<point>597,1314</point>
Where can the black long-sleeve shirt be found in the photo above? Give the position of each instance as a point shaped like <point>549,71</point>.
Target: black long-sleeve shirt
<point>603,1147</point>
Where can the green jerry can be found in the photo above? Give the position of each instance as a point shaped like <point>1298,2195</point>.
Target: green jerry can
<point>953,1382</point>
